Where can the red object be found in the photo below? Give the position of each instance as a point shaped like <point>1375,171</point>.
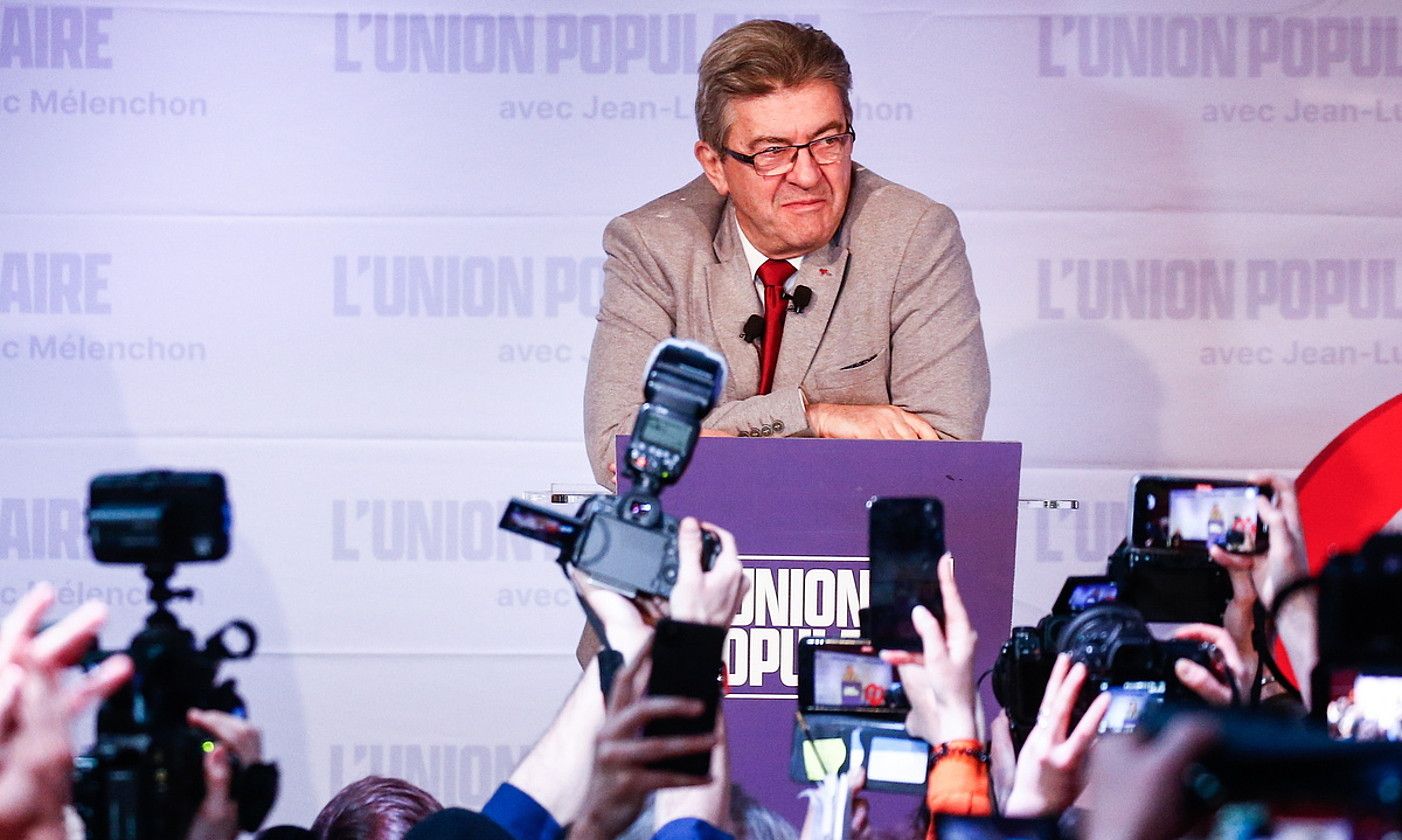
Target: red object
<point>1351,489</point>
<point>772,274</point>
<point>1354,486</point>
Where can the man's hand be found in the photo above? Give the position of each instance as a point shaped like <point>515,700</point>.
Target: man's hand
<point>939,682</point>
<point>867,422</point>
<point>218,815</point>
<point>1048,775</point>
<point>621,780</point>
<point>36,711</point>
<point>707,597</point>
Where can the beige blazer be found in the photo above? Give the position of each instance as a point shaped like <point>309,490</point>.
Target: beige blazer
<point>893,319</point>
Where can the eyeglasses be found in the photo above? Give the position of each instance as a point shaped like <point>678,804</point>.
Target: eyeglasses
<point>776,160</point>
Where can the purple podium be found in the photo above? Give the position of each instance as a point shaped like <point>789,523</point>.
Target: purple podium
<point>797,508</point>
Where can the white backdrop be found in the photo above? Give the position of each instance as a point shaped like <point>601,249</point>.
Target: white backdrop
<point>348,254</point>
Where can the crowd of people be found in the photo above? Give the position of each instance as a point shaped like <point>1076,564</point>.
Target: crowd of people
<point>593,773</point>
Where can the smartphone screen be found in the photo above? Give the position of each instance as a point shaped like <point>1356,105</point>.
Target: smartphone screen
<point>1364,706</point>
<point>905,545</point>
<point>842,675</point>
<point>686,662</point>
<point>1195,513</point>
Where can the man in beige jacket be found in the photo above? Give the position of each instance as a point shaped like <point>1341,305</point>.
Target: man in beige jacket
<point>889,345</point>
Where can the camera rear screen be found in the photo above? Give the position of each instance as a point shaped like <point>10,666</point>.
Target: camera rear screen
<point>540,524</point>
<point>1128,703</point>
<point>851,680</point>
<point>1365,707</point>
<point>1088,595</point>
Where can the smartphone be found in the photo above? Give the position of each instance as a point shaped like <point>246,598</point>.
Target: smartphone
<point>905,545</point>
<point>1193,513</point>
<point>847,676</point>
<point>686,662</point>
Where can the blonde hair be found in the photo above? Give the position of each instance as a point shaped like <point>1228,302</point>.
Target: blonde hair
<point>759,57</point>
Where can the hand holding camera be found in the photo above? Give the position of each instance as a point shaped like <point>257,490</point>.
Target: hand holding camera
<point>1214,686</point>
<point>238,744</point>
<point>1047,778</point>
<point>707,595</point>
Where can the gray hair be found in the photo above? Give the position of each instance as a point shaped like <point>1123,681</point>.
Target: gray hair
<point>759,57</point>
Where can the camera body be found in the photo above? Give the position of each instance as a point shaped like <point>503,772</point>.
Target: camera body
<point>1358,681</point>
<point>144,776</point>
<point>627,542</point>
<point>629,545</point>
<point>1091,621</point>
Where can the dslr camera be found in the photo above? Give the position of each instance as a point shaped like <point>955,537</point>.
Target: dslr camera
<point>144,777</point>
<point>1113,641</point>
<point>626,542</point>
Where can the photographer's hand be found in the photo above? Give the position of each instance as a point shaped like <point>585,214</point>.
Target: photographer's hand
<point>1283,563</point>
<point>620,779</point>
<point>1048,775</point>
<point>709,802</point>
<point>1134,787</point>
<point>626,622</point>
<point>36,711</point>
<point>939,682</point>
<point>707,597</point>
<point>218,814</point>
<point>1203,682</point>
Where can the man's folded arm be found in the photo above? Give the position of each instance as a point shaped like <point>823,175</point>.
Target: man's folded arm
<point>777,414</point>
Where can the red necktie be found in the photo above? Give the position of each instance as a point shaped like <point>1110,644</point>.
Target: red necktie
<point>772,274</point>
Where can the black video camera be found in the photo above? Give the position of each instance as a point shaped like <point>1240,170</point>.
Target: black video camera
<point>1113,641</point>
<point>144,777</point>
<point>626,542</point>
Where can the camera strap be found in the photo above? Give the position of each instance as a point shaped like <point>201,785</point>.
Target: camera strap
<point>610,660</point>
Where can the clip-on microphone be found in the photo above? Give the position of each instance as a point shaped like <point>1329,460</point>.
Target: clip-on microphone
<point>799,299</point>
<point>754,328</point>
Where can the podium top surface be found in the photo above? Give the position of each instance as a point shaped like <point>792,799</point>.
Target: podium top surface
<point>813,492</point>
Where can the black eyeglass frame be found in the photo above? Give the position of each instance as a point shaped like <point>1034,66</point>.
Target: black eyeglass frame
<point>750,159</point>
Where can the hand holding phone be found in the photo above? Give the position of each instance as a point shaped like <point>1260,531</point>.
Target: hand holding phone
<point>939,681</point>
<point>686,662</point>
